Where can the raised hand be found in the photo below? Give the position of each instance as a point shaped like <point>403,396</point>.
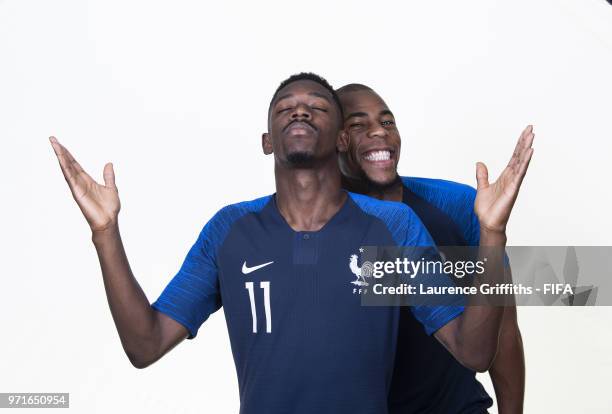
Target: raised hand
<point>99,203</point>
<point>494,201</point>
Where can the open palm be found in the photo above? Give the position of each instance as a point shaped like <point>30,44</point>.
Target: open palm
<point>99,203</point>
<point>494,201</point>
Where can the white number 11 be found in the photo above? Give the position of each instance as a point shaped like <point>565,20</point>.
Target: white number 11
<point>266,288</point>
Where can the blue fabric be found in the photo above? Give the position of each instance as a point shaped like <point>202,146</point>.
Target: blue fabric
<point>407,230</point>
<point>301,340</point>
<point>454,199</point>
<point>193,294</point>
<point>447,211</point>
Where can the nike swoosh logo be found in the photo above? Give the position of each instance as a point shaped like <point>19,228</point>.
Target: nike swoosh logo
<point>246,270</point>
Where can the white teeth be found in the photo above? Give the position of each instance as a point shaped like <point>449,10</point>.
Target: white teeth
<point>378,156</point>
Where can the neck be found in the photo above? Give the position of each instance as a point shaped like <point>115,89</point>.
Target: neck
<point>391,192</point>
<point>308,197</point>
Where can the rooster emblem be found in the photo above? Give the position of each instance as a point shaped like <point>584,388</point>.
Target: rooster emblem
<point>360,272</point>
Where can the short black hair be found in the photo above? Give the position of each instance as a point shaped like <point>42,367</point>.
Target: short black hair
<point>353,87</point>
<point>311,77</point>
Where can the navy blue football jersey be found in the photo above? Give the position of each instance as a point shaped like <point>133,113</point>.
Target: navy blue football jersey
<point>427,378</point>
<point>301,340</point>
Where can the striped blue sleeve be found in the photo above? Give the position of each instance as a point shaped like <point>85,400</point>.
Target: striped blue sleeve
<point>455,199</point>
<point>193,294</point>
<point>431,317</point>
<point>407,230</point>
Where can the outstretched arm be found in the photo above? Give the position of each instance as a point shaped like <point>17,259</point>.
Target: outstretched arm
<point>146,335</point>
<point>508,369</point>
<point>473,337</point>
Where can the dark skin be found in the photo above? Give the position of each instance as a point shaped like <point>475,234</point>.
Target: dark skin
<point>370,126</point>
<point>305,121</point>
<point>303,137</point>
<point>494,201</point>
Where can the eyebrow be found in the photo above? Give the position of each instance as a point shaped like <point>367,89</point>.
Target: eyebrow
<point>364,114</point>
<point>353,114</point>
<point>290,95</point>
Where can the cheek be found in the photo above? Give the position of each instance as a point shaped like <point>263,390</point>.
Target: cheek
<point>396,142</point>
<point>276,128</point>
<point>396,139</point>
<point>354,145</point>
<point>277,122</point>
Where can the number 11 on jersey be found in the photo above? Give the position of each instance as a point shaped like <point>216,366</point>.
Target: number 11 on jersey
<point>266,291</point>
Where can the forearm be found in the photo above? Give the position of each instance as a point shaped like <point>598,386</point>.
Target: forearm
<point>134,318</point>
<point>508,369</point>
<point>145,334</point>
<point>480,325</point>
<point>473,337</point>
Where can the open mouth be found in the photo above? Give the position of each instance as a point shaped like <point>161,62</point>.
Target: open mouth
<point>377,155</point>
<point>382,157</point>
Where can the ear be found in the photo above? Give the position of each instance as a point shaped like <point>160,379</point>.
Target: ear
<point>342,143</point>
<point>266,143</point>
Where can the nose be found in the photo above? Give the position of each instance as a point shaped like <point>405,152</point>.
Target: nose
<point>377,131</point>
<point>301,112</point>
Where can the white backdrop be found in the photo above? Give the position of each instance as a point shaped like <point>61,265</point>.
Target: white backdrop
<point>175,93</point>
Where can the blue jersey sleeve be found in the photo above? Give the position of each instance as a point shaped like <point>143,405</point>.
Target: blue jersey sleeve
<point>407,230</point>
<point>193,294</point>
<point>454,199</point>
<point>431,317</point>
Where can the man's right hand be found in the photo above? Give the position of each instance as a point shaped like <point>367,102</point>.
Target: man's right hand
<point>146,335</point>
<point>99,203</point>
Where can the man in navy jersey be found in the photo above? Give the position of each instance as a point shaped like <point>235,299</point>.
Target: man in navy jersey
<point>447,211</point>
<point>279,265</point>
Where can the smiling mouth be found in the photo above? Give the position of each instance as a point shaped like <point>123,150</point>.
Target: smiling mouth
<point>378,155</point>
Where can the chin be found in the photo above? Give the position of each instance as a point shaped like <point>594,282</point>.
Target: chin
<point>382,181</point>
<point>300,157</point>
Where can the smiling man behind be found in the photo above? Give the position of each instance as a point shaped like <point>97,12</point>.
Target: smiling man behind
<point>427,378</point>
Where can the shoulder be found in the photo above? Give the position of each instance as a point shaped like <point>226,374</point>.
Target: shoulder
<point>388,211</point>
<point>234,211</point>
<point>220,224</point>
<point>445,190</point>
<point>454,199</point>
<point>403,223</point>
